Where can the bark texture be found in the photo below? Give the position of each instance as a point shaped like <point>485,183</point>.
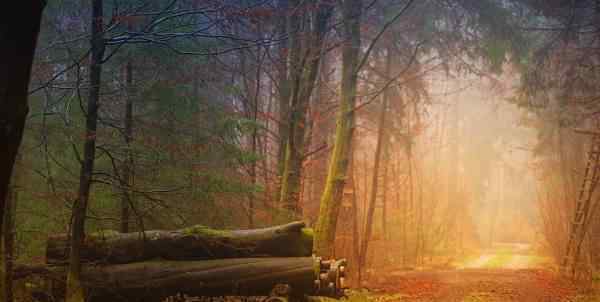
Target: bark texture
<point>127,168</point>
<point>381,142</point>
<point>287,53</point>
<point>193,243</point>
<point>338,164</point>
<point>304,76</point>
<point>7,244</point>
<point>18,37</point>
<point>156,280</point>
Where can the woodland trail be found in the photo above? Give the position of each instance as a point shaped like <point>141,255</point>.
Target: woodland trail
<point>498,274</point>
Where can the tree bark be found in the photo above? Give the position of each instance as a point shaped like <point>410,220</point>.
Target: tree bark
<point>381,142</point>
<point>384,194</point>
<point>304,77</point>
<point>158,280</point>
<point>75,291</point>
<point>18,37</point>
<point>193,243</point>
<point>355,223</point>
<point>7,243</point>
<point>155,281</point>
<point>287,51</point>
<point>453,176</point>
<point>340,155</point>
<point>127,176</point>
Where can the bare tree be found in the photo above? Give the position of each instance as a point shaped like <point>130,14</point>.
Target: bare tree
<point>75,290</point>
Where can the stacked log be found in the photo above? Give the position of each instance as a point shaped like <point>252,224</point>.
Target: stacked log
<point>154,281</point>
<point>193,243</point>
<point>197,261</point>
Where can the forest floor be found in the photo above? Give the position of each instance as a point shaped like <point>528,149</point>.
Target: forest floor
<point>504,273</point>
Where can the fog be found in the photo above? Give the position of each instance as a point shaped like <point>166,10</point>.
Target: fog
<point>235,146</point>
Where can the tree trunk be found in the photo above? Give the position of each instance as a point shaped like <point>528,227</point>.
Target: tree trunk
<point>287,51</point>
<point>7,243</point>
<point>319,134</point>
<point>251,78</point>
<point>193,243</point>
<point>304,75</point>
<point>355,224</point>
<point>384,195</point>
<point>18,37</point>
<point>74,289</point>
<point>338,164</point>
<point>411,187</point>
<point>155,281</point>
<point>253,168</point>
<point>420,244</point>
<point>381,141</point>
<point>401,204</point>
<point>453,175</point>
<point>127,176</point>
<point>158,280</point>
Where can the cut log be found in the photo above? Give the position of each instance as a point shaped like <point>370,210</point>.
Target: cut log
<point>193,243</point>
<point>153,281</point>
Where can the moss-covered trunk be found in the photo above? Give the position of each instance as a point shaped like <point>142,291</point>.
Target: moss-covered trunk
<point>338,164</point>
<point>289,53</point>
<point>193,243</point>
<point>157,280</point>
<point>304,79</point>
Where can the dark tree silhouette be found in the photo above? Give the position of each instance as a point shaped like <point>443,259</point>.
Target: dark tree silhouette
<point>18,37</point>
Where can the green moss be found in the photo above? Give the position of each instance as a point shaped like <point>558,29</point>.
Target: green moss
<point>316,268</point>
<point>104,234</point>
<point>320,299</point>
<point>390,298</point>
<point>100,236</point>
<point>308,234</point>
<point>358,296</point>
<point>206,231</point>
<point>306,240</point>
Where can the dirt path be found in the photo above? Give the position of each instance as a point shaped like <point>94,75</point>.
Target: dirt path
<point>471,285</point>
<point>508,256</point>
<point>501,275</point>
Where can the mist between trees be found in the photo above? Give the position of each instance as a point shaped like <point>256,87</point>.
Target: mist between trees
<point>406,133</point>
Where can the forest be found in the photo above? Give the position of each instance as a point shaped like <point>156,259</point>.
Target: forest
<point>299,150</point>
